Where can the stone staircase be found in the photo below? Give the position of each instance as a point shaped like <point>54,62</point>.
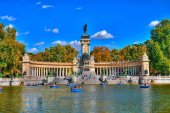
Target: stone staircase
<point>88,78</point>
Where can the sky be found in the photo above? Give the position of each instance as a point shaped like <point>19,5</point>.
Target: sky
<point>41,24</point>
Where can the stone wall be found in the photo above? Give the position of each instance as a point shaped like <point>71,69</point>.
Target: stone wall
<point>9,81</point>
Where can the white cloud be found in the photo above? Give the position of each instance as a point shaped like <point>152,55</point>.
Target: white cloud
<point>9,25</point>
<point>33,50</point>
<point>38,3</point>
<point>47,6</point>
<point>24,33</point>
<point>76,44</point>
<point>138,42</point>
<point>60,42</point>
<point>55,30</point>
<point>102,35</point>
<point>9,18</point>
<point>154,23</point>
<point>79,8</point>
<point>17,34</point>
<point>39,43</point>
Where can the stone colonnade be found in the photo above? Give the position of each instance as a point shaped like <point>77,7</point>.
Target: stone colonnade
<point>118,71</point>
<point>54,71</point>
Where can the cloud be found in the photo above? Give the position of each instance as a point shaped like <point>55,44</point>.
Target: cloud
<point>138,42</point>
<point>9,25</point>
<point>79,8</point>
<point>17,34</point>
<point>39,43</point>
<point>47,6</point>
<point>154,23</point>
<point>60,42</point>
<point>9,18</point>
<point>76,44</point>
<point>38,3</point>
<point>55,30</point>
<point>33,50</point>
<point>102,35</point>
<point>24,33</point>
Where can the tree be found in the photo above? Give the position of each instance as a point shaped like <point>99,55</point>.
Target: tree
<point>161,34</point>
<point>102,54</point>
<point>11,52</point>
<point>159,48</point>
<point>158,61</point>
<point>56,53</point>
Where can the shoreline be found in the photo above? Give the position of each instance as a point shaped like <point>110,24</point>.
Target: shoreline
<point>22,81</point>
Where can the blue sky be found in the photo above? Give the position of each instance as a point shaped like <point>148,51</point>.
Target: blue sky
<point>112,23</point>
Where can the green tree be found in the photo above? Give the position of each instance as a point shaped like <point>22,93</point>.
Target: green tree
<point>11,52</point>
<point>56,53</point>
<point>161,34</point>
<point>159,48</point>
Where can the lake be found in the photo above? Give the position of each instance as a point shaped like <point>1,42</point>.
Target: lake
<point>95,99</point>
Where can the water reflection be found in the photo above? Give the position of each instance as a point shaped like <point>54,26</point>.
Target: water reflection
<point>95,99</point>
<point>32,102</point>
<point>146,100</point>
<point>10,100</point>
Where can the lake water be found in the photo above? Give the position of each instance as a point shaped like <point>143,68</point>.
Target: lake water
<point>95,99</point>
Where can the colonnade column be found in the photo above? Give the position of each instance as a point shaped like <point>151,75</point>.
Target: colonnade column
<point>110,71</point>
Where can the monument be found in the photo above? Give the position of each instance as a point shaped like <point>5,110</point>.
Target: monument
<point>86,62</point>
<point>85,65</point>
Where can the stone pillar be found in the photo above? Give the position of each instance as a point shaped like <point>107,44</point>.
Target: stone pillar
<point>35,71</point>
<point>26,65</point>
<point>32,71</point>
<point>40,71</point>
<point>66,71</point>
<point>145,65</point>
<point>60,72</point>
<point>110,71</point>
<point>57,72</point>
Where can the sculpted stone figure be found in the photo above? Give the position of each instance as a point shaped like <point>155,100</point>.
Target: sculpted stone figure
<point>85,28</point>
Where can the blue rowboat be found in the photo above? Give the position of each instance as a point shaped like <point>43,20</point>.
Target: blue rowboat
<point>54,86</point>
<point>29,85</point>
<point>103,84</point>
<point>120,84</point>
<point>34,84</point>
<point>144,86</point>
<point>71,84</point>
<point>77,90</point>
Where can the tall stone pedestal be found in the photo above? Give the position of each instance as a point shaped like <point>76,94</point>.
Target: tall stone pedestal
<point>143,79</point>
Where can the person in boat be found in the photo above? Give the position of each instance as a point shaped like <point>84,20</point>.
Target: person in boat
<point>79,86</point>
<point>75,86</point>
